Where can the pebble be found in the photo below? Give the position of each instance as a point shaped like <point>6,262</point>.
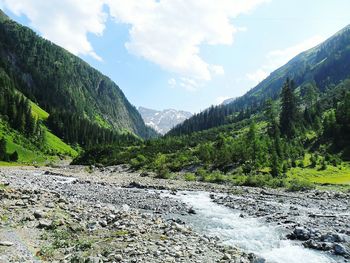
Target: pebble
<point>6,243</point>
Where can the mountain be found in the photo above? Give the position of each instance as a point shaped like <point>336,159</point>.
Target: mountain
<point>228,101</point>
<point>62,83</point>
<point>163,121</point>
<point>323,66</point>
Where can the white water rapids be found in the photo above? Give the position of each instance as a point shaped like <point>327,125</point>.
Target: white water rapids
<point>250,234</point>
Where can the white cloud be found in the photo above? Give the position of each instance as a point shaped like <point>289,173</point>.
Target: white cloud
<point>189,84</point>
<point>172,82</point>
<point>279,57</point>
<point>170,33</point>
<point>64,22</point>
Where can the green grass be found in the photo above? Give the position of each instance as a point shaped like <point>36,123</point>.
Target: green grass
<point>38,112</point>
<point>332,175</point>
<point>28,153</point>
<point>26,156</point>
<point>56,144</point>
<point>102,122</point>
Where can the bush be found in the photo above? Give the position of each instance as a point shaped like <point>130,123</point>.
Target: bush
<point>323,165</point>
<point>190,177</point>
<point>217,177</point>
<point>258,180</point>
<point>13,157</point>
<point>313,160</point>
<point>297,184</point>
<point>138,162</point>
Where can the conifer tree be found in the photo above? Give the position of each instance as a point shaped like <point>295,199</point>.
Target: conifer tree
<point>3,154</point>
<point>289,110</point>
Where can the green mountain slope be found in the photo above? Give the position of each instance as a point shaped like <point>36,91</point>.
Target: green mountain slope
<point>59,81</point>
<point>324,66</point>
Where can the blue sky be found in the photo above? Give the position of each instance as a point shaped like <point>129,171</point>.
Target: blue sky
<point>183,54</point>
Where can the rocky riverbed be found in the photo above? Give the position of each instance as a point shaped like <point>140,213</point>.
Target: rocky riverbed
<point>49,215</point>
<point>318,219</point>
<point>75,214</point>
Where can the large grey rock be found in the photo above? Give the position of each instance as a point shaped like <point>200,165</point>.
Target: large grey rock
<point>340,249</point>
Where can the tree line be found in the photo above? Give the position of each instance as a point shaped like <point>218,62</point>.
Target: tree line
<point>75,129</point>
<point>16,110</point>
<point>270,140</point>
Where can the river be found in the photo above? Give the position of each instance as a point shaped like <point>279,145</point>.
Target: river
<point>250,234</point>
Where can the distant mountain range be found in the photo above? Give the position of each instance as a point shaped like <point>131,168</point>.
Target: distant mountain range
<point>163,121</point>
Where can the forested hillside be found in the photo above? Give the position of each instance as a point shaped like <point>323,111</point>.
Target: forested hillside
<point>62,83</point>
<point>301,129</point>
<point>324,67</point>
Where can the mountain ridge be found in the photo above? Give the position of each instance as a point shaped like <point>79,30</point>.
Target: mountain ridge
<point>60,81</point>
<point>163,120</point>
<point>324,65</point>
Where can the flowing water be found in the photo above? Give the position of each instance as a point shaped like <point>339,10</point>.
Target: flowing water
<point>250,234</point>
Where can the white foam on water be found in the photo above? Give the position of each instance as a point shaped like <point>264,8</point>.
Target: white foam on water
<point>250,234</point>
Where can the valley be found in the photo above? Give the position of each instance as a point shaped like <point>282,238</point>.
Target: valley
<point>87,177</point>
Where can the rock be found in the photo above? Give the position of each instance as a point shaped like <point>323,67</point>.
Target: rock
<point>227,256</point>
<point>38,214</point>
<point>192,211</point>
<point>103,223</point>
<point>301,233</point>
<point>20,203</point>
<point>169,259</point>
<point>311,244</point>
<point>136,185</point>
<point>93,260</point>
<point>118,258</point>
<point>339,249</point>
<point>6,244</point>
<point>46,224</point>
<point>144,174</point>
<point>332,237</point>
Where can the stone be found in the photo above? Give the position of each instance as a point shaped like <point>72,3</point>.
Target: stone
<point>6,243</point>
<point>118,258</point>
<point>46,224</point>
<point>192,211</point>
<point>301,233</point>
<point>227,256</point>
<point>38,214</point>
<point>339,249</point>
<point>93,260</point>
<point>103,223</point>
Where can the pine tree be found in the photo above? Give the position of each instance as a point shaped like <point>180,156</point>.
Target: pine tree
<point>3,154</point>
<point>289,110</point>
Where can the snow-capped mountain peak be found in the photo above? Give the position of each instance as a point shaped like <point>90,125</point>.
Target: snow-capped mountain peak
<point>163,121</point>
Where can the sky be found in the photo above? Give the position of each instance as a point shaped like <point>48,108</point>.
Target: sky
<point>183,54</point>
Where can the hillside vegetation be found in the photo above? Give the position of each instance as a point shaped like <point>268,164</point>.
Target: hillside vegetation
<point>302,130</point>
<point>63,83</point>
<point>324,67</point>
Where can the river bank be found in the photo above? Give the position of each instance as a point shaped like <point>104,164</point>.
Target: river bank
<point>102,203</point>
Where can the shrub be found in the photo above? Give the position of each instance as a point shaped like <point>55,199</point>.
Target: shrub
<point>13,157</point>
<point>297,184</point>
<point>313,160</point>
<point>190,177</point>
<point>138,162</point>
<point>323,164</point>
